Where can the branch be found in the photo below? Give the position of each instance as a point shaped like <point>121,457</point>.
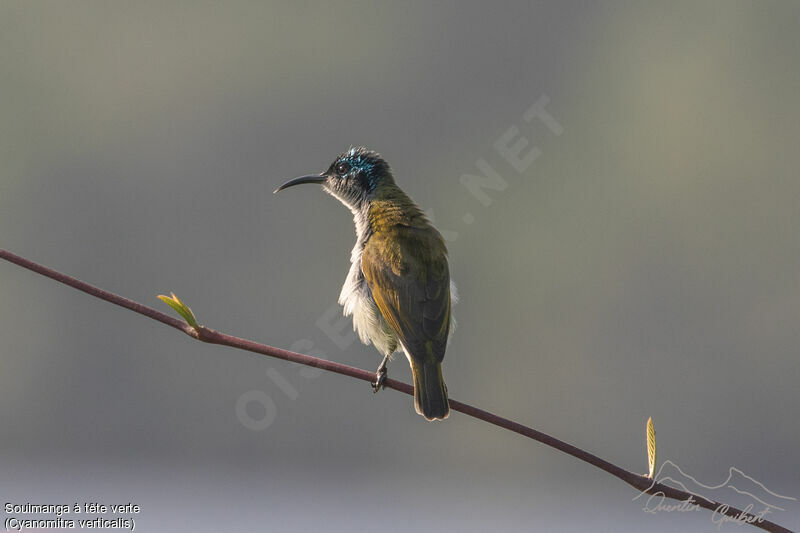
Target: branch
<point>642,483</point>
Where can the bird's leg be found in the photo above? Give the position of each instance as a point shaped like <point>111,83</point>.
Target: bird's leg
<point>380,375</point>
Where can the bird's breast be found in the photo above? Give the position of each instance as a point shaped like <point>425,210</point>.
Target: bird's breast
<point>357,300</point>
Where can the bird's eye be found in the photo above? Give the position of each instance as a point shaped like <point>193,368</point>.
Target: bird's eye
<point>342,168</point>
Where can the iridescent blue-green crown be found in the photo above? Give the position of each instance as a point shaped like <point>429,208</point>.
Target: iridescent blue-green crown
<point>368,166</point>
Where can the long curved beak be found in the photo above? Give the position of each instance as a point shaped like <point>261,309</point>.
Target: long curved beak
<point>311,178</point>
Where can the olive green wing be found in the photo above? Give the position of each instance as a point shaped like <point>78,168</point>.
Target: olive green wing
<point>406,270</point>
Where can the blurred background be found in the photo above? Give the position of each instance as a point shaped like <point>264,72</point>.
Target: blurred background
<point>645,263</point>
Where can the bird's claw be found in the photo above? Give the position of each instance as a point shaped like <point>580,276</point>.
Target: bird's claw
<point>380,380</point>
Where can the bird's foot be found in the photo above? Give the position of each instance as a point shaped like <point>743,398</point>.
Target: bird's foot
<point>380,379</point>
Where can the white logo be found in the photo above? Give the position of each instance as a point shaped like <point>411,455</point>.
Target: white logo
<point>756,500</point>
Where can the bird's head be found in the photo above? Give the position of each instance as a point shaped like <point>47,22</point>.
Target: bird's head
<point>354,177</point>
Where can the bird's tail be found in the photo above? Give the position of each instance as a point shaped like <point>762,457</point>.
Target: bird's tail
<point>430,392</point>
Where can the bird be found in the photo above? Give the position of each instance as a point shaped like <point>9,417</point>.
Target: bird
<point>398,289</point>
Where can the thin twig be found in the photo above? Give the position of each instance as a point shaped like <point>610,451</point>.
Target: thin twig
<point>201,333</point>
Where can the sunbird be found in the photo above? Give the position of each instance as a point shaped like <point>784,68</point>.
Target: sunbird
<point>398,289</point>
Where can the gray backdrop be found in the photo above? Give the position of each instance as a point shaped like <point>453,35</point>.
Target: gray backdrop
<point>642,260</point>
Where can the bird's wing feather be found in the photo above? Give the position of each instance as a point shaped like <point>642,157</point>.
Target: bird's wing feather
<point>406,270</point>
